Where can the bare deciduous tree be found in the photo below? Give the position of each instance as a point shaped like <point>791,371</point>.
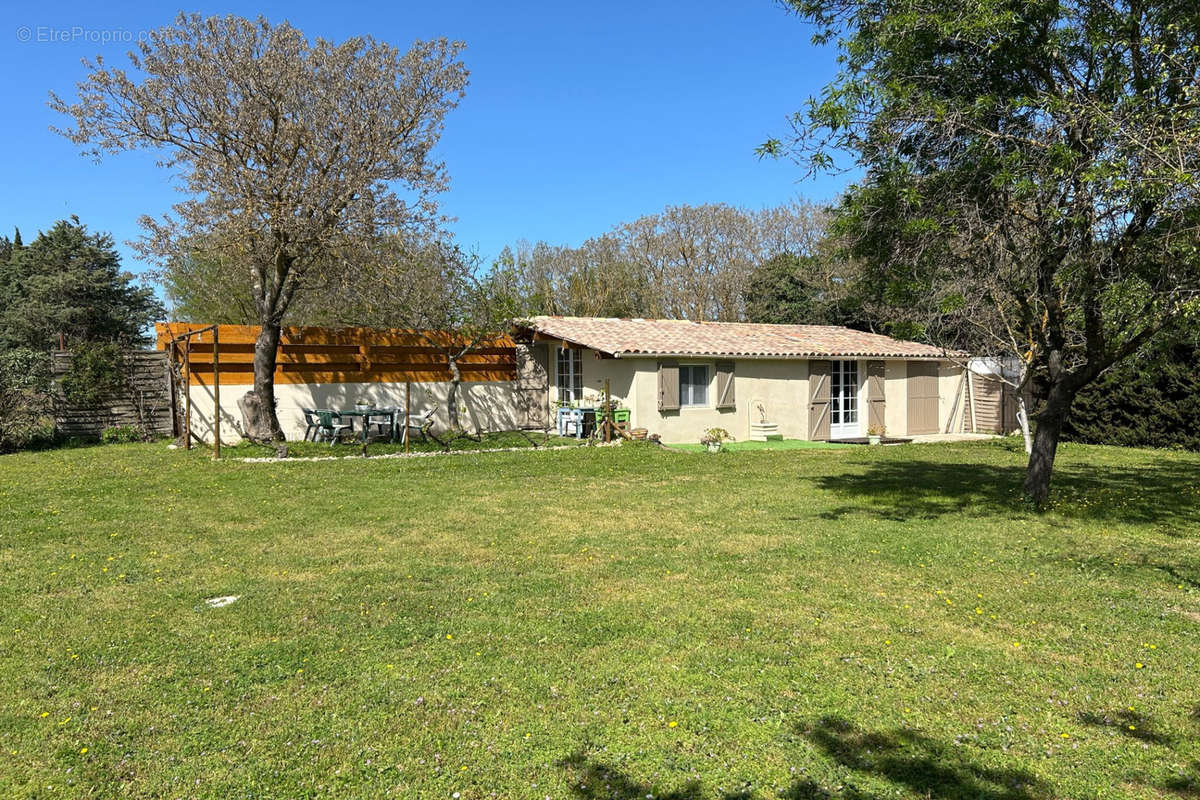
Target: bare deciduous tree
<point>296,156</point>
<point>688,262</point>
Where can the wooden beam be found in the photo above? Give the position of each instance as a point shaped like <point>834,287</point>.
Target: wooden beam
<point>216,386</point>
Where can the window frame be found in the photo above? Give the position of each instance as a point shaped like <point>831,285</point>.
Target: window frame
<point>688,386</point>
<point>571,390</point>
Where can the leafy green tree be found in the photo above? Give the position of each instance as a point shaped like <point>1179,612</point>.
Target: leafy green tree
<point>201,287</point>
<point>69,281</point>
<point>1150,400</point>
<point>7,246</point>
<point>26,402</point>
<point>791,289</point>
<point>1031,170</point>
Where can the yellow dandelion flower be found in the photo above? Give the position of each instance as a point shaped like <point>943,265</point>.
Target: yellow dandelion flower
<point>672,724</point>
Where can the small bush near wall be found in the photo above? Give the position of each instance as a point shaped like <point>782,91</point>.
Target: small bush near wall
<point>123,434</point>
<point>26,405</point>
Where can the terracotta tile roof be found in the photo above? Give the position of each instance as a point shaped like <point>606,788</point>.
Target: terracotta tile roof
<point>678,337</point>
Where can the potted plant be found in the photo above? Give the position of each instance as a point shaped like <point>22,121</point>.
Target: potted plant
<point>362,404</point>
<point>713,439</point>
<point>875,434</point>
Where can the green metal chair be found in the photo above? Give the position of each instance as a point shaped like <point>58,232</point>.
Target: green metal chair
<point>311,423</point>
<point>331,425</point>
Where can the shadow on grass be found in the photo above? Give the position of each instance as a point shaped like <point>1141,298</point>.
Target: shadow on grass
<point>1130,724</point>
<point>1186,783</point>
<point>919,488</point>
<point>593,780</point>
<point>923,766</point>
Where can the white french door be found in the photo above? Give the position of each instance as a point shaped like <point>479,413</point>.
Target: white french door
<point>843,401</point>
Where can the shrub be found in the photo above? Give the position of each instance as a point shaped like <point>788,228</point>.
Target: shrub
<point>123,434</point>
<point>97,370</point>
<point>26,406</point>
<point>1149,400</point>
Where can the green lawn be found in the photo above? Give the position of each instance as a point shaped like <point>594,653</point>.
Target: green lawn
<point>774,444</point>
<point>867,623</point>
<point>353,447</point>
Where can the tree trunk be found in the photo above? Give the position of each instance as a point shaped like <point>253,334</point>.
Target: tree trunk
<point>452,394</point>
<point>1045,443</point>
<point>258,405</point>
<point>1023,422</point>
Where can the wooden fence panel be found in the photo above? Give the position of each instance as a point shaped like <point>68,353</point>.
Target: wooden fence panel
<point>145,401</point>
<point>344,355</point>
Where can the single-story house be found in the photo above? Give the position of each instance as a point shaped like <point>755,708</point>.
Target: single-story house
<point>680,378</point>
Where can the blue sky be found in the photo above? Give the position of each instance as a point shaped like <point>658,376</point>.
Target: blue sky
<point>578,116</point>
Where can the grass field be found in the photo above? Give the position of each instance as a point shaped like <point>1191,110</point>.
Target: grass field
<point>774,444</point>
<point>353,447</point>
<point>862,623</point>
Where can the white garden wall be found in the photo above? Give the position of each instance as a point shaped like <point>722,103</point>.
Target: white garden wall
<point>484,406</point>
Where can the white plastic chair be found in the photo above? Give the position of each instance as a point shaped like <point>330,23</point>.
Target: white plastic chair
<point>422,421</point>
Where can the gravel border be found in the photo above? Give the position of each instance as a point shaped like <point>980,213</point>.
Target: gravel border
<point>297,459</point>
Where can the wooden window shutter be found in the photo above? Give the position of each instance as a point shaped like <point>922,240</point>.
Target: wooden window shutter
<point>668,386</point>
<point>923,397</point>
<point>818,400</point>
<point>725,384</point>
<point>876,400</point>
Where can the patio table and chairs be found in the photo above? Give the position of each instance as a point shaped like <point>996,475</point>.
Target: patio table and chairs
<point>580,421</point>
<point>382,417</point>
<point>330,424</point>
<point>574,420</point>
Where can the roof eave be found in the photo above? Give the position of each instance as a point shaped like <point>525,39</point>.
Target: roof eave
<point>781,357</point>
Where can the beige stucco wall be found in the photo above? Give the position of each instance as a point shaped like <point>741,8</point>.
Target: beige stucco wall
<point>483,406</point>
<point>780,385</point>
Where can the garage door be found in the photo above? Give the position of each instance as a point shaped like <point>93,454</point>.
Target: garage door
<point>922,397</point>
